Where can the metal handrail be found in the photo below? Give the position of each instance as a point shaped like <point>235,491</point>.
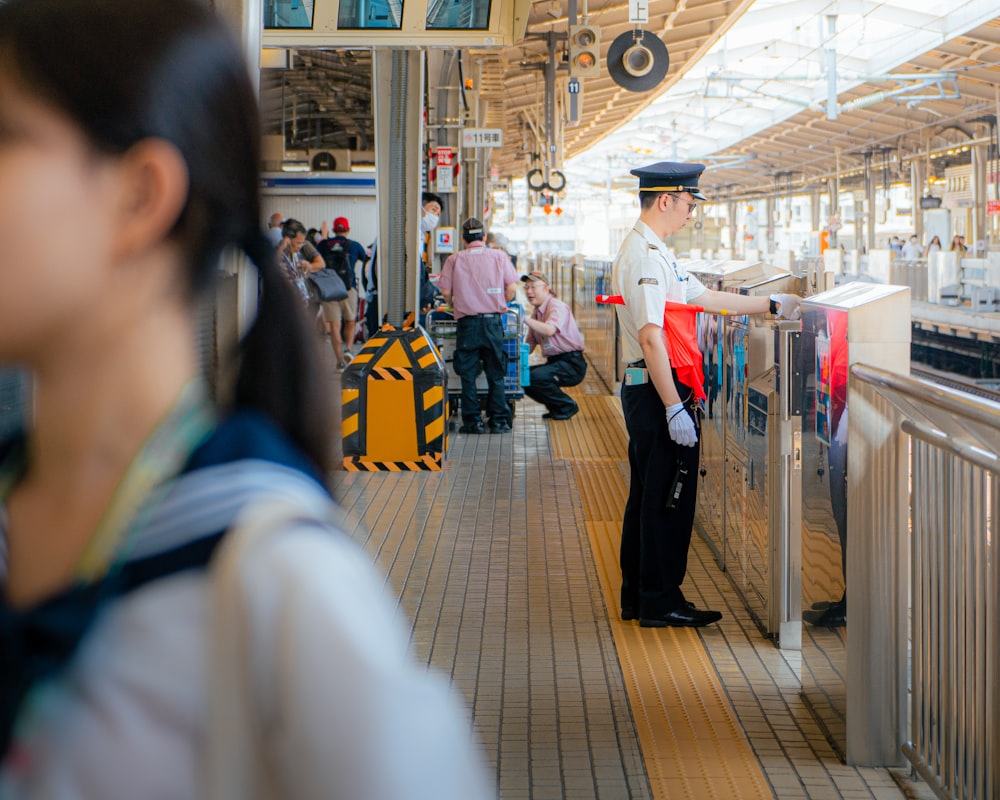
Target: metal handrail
<point>924,655</point>
<point>953,401</point>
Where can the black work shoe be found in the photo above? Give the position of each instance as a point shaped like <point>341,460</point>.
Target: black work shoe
<point>834,616</point>
<point>628,613</point>
<point>563,415</point>
<point>686,617</point>
<point>472,427</point>
<point>500,427</point>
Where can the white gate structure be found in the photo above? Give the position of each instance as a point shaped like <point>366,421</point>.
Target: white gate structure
<point>923,576</point>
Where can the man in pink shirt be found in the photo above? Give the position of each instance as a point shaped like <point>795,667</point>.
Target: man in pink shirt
<point>478,283</point>
<point>551,326</point>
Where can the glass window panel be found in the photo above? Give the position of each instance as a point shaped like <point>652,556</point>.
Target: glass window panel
<point>288,13</point>
<point>458,15</point>
<point>370,14</point>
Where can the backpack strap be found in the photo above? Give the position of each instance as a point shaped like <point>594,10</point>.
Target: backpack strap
<point>244,457</point>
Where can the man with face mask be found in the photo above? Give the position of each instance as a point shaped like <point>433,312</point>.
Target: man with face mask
<point>430,214</point>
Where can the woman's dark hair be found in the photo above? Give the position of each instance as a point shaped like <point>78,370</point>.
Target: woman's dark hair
<point>128,70</point>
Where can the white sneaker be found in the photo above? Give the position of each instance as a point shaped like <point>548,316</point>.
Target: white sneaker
<point>348,357</point>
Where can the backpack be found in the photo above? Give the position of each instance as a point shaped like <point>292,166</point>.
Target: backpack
<point>336,255</point>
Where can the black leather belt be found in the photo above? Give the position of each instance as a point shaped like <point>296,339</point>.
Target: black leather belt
<point>641,364</point>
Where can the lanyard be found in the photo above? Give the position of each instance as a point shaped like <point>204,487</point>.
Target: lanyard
<point>161,457</point>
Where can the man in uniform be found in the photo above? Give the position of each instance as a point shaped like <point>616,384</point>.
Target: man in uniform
<point>478,283</point>
<point>551,326</point>
<point>660,410</point>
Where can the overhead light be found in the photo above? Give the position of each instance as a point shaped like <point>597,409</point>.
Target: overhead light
<point>295,166</point>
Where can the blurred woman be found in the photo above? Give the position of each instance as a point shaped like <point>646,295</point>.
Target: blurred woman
<point>958,245</point>
<point>181,618</point>
<point>932,247</point>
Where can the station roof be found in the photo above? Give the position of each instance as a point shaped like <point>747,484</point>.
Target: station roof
<point>911,81</point>
<point>746,90</point>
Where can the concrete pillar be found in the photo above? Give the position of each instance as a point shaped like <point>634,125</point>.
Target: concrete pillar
<point>397,101</point>
<point>236,297</point>
<point>246,18</point>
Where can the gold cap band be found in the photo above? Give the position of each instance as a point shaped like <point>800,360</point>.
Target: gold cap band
<point>668,188</point>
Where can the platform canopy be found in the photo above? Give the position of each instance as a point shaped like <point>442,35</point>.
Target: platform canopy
<point>910,80</point>
<point>747,90</point>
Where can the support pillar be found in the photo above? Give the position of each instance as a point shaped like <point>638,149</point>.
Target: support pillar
<point>397,101</point>
<point>871,195</point>
<point>980,158</point>
<point>918,175</point>
<point>236,295</point>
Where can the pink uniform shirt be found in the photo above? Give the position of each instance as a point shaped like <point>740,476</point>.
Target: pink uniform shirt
<point>567,337</point>
<point>476,278</point>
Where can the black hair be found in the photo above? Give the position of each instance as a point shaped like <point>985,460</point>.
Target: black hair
<point>472,237</point>
<point>291,228</point>
<point>124,71</point>
<point>648,199</point>
<point>430,197</point>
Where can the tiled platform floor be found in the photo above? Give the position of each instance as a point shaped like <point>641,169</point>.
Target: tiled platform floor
<point>501,586</point>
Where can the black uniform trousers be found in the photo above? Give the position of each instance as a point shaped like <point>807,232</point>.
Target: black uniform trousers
<point>563,369</point>
<point>655,539</point>
<point>480,339</point>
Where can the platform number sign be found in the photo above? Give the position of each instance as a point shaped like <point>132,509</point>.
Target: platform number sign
<point>573,87</point>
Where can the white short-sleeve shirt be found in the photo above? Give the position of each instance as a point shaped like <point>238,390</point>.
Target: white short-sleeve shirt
<point>646,274</point>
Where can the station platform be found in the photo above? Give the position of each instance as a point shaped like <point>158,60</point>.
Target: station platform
<point>505,562</point>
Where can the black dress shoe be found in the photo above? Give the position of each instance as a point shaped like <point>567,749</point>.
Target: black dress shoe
<point>475,427</point>
<point>500,427</point>
<point>564,415</point>
<point>628,613</point>
<point>685,617</point>
<point>834,616</point>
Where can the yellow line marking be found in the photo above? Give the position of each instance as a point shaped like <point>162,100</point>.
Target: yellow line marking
<point>691,740</point>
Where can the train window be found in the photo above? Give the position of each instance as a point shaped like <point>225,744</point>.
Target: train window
<point>458,14</point>
<point>288,13</point>
<point>370,14</point>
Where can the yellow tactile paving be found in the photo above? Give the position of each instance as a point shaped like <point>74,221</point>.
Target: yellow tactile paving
<point>598,431</point>
<point>692,743</point>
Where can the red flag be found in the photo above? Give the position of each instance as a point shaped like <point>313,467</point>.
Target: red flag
<point>681,338</point>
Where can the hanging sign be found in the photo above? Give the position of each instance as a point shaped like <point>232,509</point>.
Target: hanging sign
<point>482,137</point>
<point>638,11</point>
<point>445,158</point>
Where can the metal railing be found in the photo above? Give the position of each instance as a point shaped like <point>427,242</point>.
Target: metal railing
<point>924,582</point>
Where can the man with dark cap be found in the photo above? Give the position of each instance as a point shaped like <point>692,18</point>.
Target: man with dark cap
<point>659,409</point>
<point>551,326</point>
<point>478,283</point>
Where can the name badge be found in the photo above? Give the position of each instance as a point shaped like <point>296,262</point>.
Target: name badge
<point>493,290</point>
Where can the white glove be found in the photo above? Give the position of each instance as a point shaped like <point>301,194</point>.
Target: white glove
<point>681,426</point>
<point>788,305</point>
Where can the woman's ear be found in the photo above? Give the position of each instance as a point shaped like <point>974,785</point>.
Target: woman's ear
<point>153,180</point>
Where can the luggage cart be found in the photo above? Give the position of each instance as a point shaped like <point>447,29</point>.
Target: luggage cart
<point>443,329</point>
